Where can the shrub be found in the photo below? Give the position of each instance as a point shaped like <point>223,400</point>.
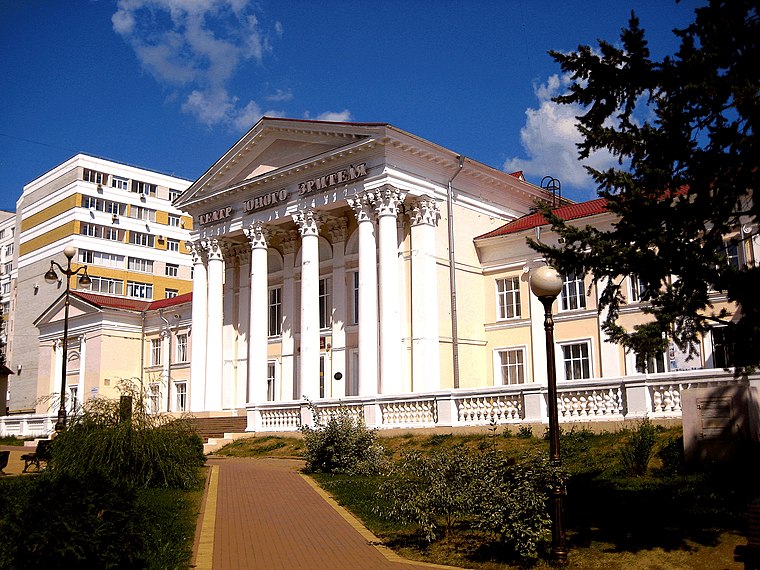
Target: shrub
<point>511,501</point>
<point>672,456</point>
<point>638,450</point>
<point>143,450</point>
<point>342,445</point>
<point>525,432</point>
<point>427,489</point>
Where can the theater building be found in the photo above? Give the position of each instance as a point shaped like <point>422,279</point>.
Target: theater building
<point>330,261</point>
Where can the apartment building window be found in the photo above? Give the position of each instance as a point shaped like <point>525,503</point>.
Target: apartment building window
<point>172,244</point>
<point>140,238</point>
<point>170,293</point>
<point>325,302</point>
<point>100,258</point>
<point>508,298</point>
<point>577,360</point>
<point>8,267</point>
<point>113,207</point>
<point>2,233</point>
<point>271,378</point>
<point>171,270</point>
<point>111,234</point>
<point>155,351</point>
<point>94,176</point>
<point>7,288</point>
<point>174,220</point>
<point>107,285</point>
<point>92,203</point>
<point>573,293</point>
<point>138,264</point>
<point>139,290</point>
<point>90,230</point>
<point>174,194</point>
<point>120,183</point>
<point>180,391</point>
<point>511,365</point>
<point>181,348</point>
<point>353,300</point>
<point>9,249</point>
<point>275,311</point>
<point>140,213</point>
<point>143,188</point>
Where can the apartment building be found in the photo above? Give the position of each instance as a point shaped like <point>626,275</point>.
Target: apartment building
<point>122,223</point>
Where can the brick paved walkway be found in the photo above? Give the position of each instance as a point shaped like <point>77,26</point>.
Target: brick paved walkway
<point>269,516</point>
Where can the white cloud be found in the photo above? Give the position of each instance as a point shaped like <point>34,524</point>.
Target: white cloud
<point>281,95</point>
<point>549,138</point>
<point>197,46</point>
<point>338,117</point>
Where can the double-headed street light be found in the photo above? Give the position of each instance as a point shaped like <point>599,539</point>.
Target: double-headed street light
<point>546,284</point>
<point>84,282</point>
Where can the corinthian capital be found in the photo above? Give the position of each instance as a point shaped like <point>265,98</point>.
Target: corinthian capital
<point>257,234</point>
<point>213,247</point>
<point>425,211</point>
<point>308,222</point>
<point>362,205</point>
<point>197,251</point>
<point>387,201</point>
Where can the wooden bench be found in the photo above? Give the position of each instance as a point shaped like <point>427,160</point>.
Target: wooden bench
<point>750,553</point>
<point>41,453</point>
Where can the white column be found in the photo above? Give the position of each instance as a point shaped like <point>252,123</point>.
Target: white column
<point>82,368</point>
<point>386,207</point>
<point>231,290</point>
<point>368,341</point>
<point>244,310</point>
<point>259,313</point>
<point>287,371</point>
<point>166,343</point>
<point>338,231</point>
<point>538,340</point>
<point>215,318</point>
<point>608,351</point>
<point>308,225</point>
<point>403,314</point>
<point>426,359</point>
<point>197,388</point>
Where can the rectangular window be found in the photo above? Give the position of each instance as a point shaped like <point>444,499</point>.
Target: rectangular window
<point>653,365</point>
<point>170,293</point>
<point>106,285</point>
<point>155,352</point>
<point>174,220</point>
<point>111,233</point>
<point>140,213</point>
<point>180,391</point>
<point>734,254</point>
<point>723,347</point>
<point>9,249</point>
<point>119,183</point>
<point>92,203</point>
<point>181,348</point>
<point>275,311</point>
<point>90,230</point>
<point>325,302</point>
<point>73,398</point>
<point>137,264</point>
<point>114,207</point>
<point>354,298</point>
<point>577,361</point>
<point>139,290</point>
<point>172,244</point>
<point>143,188</point>
<point>508,298</point>
<point>511,363</point>
<point>154,398</point>
<point>172,269</point>
<point>100,258</point>
<point>174,194</point>
<point>573,294</point>
<point>139,238</point>
<point>7,288</point>
<point>271,377</point>
<point>94,176</point>
<point>637,288</point>
<point>8,267</point>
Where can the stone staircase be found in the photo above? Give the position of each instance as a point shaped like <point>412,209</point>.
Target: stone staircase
<point>219,431</point>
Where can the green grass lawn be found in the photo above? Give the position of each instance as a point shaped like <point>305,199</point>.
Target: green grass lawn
<point>670,517</point>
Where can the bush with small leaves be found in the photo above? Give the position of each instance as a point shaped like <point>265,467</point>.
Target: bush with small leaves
<point>525,432</point>
<point>342,445</point>
<point>639,448</point>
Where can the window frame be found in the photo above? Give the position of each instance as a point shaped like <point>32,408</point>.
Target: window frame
<point>563,363</point>
<point>182,346</point>
<point>508,300</point>
<point>274,311</point>
<point>504,371</point>
<point>573,294</point>
<point>156,351</point>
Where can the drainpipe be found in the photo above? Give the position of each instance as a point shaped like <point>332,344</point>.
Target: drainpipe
<point>142,361</point>
<point>169,356</point>
<point>452,275</point>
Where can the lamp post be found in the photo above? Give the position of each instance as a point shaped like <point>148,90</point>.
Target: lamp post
<point>84,281</point>
<point>546,284</point>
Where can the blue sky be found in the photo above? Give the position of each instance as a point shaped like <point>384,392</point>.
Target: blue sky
<point>170,85</point>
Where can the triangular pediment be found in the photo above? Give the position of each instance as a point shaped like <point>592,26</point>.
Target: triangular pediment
<point>273,144</point>
<point>55,312</point>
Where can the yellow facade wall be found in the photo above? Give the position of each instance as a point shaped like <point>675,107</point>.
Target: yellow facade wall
<point>49,237</point>
<point>64,205</point>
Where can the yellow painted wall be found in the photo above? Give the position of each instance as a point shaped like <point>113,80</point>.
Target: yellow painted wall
<point>49,237</point>
<point>50,212</point>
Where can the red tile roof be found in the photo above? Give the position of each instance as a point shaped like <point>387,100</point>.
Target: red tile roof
<point>567,212</point>
<point>106,301</point>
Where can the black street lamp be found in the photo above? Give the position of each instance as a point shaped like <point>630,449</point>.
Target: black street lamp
<point>84,281</point>
<point>546,284</point>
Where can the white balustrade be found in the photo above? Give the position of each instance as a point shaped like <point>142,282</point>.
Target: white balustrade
<point>485,409</point>
<point>590,404</point>
<point>281,419</point>
<point>408,413</point>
